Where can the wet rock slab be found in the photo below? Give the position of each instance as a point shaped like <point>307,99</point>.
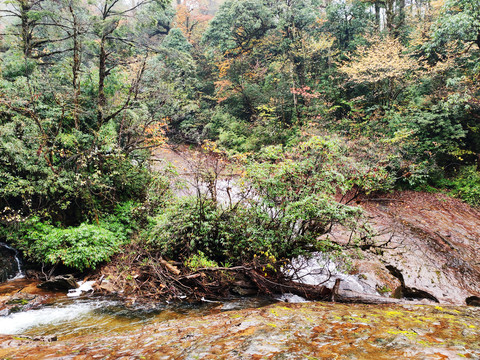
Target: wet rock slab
<point>22,295</point>
<point>281,331</point>
<point>430,247</point>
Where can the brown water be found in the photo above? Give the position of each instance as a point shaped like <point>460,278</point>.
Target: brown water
<point>40,313</point>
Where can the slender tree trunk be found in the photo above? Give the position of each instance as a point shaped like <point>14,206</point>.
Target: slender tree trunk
<point>102,74</point>
<point>347,32</point>
<point>75,67</point>
<point>26,36</point>
<point>377,14</point>
<point>401,17</point>
<point>390,15</point>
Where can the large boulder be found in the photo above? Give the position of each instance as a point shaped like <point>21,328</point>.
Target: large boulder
<point>427,247</point>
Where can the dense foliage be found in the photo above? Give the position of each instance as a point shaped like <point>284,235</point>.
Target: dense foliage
<point>285,205</point>
<point>86,91</point>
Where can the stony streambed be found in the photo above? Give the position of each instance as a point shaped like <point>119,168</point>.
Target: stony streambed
<point>276,331</point>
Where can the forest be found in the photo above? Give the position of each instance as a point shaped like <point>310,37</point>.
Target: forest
<point>312,104</point>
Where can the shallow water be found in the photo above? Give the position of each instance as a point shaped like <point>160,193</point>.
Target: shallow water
<point>66,317</point>
<point>277,331</point>
<point>63,319</point>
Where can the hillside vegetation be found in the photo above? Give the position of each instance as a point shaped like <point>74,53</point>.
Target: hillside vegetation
<point>309,104</point>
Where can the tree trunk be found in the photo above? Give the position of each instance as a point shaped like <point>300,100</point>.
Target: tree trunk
<point>25,8</point>
<point>401,17</point>
<point>377,14</point>
<point>309,292</point>
<point>102,74</point>
<point>75,67</point>
<point>390,15</point>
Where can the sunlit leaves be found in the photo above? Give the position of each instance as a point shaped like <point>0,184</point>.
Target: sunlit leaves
<point>385,59</point>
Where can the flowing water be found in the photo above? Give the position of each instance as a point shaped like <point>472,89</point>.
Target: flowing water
<point>99,328</point>
<point>321,270</point>
<point>37,324</point>
<point>10,263</point>
<point>67,318</point>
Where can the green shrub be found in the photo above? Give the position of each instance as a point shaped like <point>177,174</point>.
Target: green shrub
<point>159,190</point>
<point>81,247</point>
<point>466,185</point>
<point>286,204</point>
<point>124,220</point>
<point>199,261</point>
<point>232,234</point>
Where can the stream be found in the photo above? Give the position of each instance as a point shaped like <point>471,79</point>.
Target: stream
<point>66,317</point>
<point>90,326</point>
